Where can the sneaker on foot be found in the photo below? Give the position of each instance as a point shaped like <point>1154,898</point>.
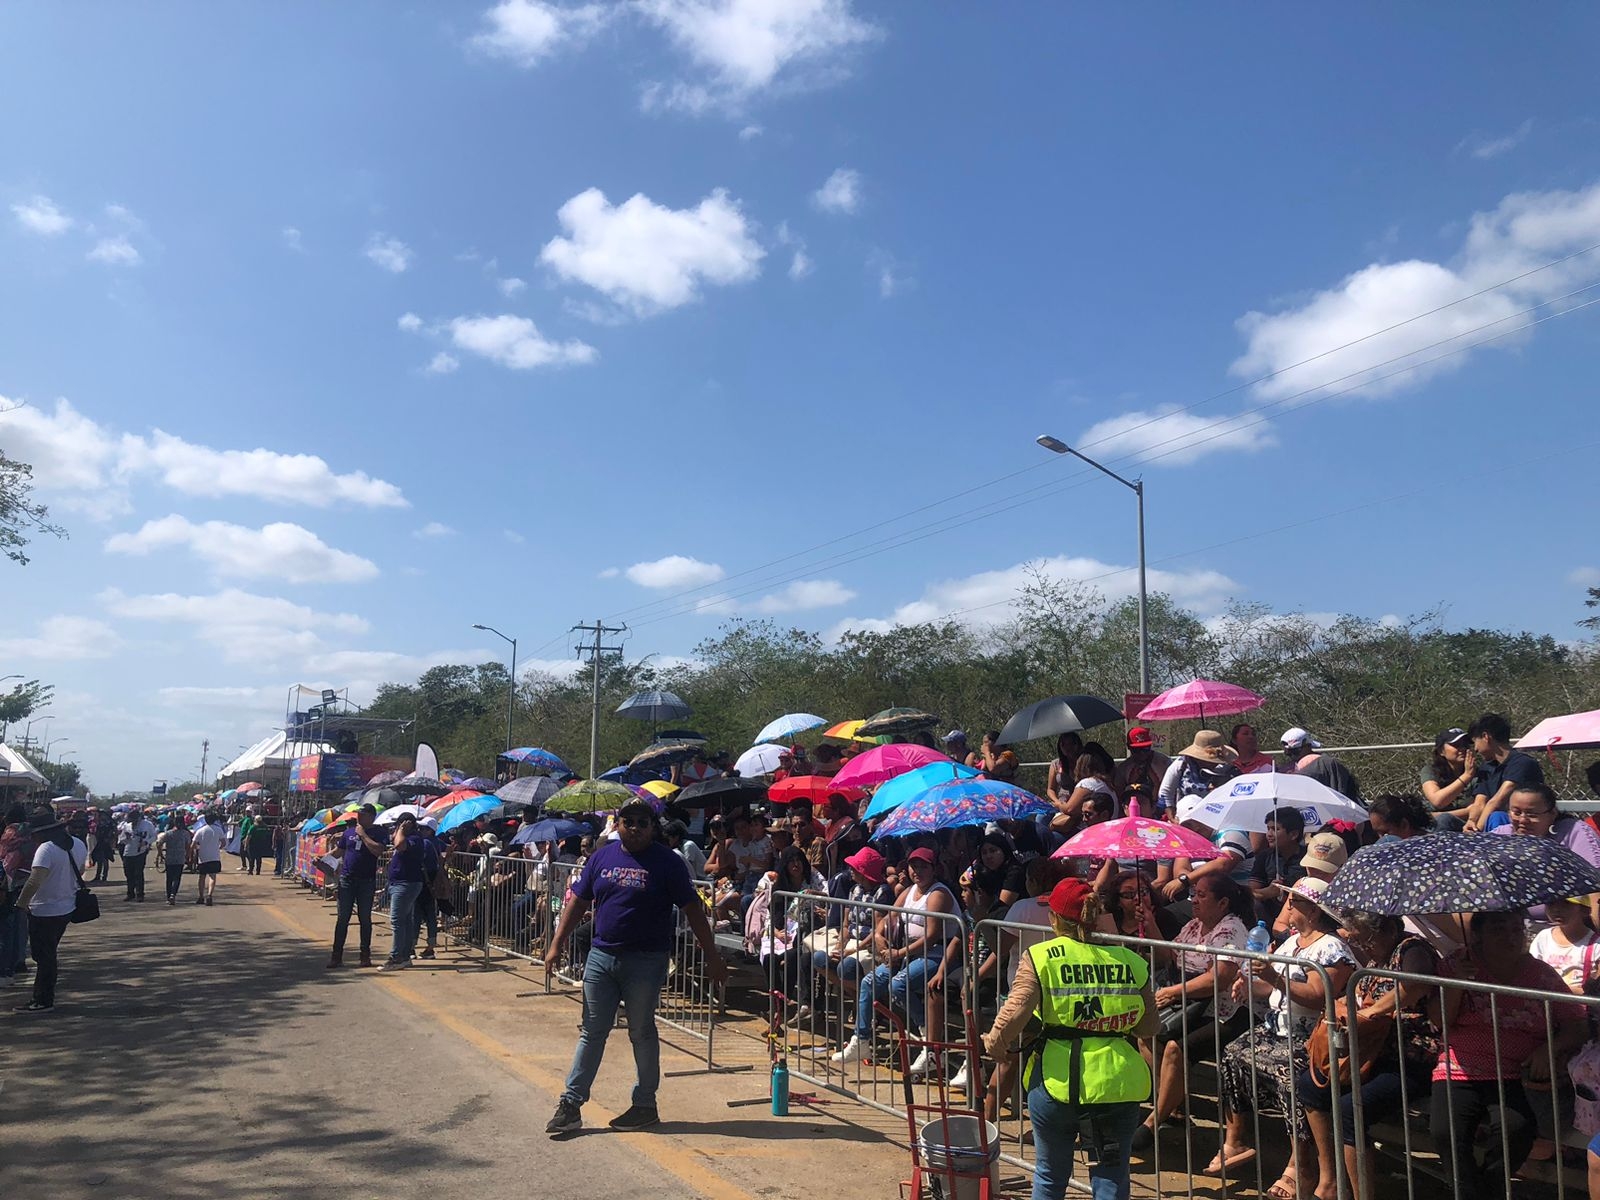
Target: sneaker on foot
<point>428,953</point>
<point>395,964</point>
<point>925,1062</point>
<point>959,1079</point>
<point>567,1119</point>
<point>637,1117</point>
<point>33,1006</point>
<point>854,1051</point>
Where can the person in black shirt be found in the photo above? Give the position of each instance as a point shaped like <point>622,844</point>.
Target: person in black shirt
<point>1502,772</point>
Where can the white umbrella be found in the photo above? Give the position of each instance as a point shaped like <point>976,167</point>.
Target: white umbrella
<point>1250,800</point>
<point>759,760</point>
<point>390,816</point>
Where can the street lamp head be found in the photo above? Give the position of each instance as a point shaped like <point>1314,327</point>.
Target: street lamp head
<point>1053,444</point>
<point>484,627</point>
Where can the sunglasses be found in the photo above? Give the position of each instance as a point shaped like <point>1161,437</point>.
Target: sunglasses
<point>1127,895</point>
<point>637,822</point>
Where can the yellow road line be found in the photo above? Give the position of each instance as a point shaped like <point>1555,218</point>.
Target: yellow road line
<point>688,1165</point>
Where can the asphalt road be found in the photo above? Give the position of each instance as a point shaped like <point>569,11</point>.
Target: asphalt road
<point>207,1053</point>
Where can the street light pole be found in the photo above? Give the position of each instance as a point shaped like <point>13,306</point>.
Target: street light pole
<point>1057,446</point>
<point>27,733</point>
<point>511,690</point>
<point>52,742</point>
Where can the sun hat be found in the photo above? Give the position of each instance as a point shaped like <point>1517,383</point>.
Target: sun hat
<point>42,823</point>
<point>923,854</point>
<point>1325,852</point>
<point>869,862</point>
<point>1068,897</point>
<point>1141,738</point>
<point>1211,745</point>
<point>1296,736</point>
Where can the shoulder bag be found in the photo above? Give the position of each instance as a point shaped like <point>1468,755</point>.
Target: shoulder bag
<point>86,907</point>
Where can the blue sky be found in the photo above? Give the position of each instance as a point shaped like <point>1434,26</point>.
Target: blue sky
<point>333,329</point>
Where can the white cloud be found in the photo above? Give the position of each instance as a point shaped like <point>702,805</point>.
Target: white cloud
<point>223,697</point>
<point>442,364</point>
<point>610,573</point>
<point>839,193</point>
<point>63,639</point>
<point>280,550</point>
<point>750,133</point>
<point>515,538</point>
<point>989,597</point>
<point>747,46</point>
<point>434,529</point>
<point>512,286</point>
<point>390,253</point>
<point>90,466</point>
<point>674,571</point>
<point>291,238</point>
<point>409,322</point>
<point>1173,437</point>
<point>800,265</point>
<point>1585,576</point>
<point>1481,145</point>
<point>805,594</point>
<point>648,257</point>
<point>115,251</point>
<point>40,215</point>
<point>245,627</point>
<point>527,31</point>
<point>893,278</point>
<point>515,342</point>
<point>1524,232</point>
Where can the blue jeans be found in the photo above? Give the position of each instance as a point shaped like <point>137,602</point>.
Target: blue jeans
<point>355,896</point>
<point>403,918</point>
<point>634,978</point>
<point>1056,1129</point>
<point>908,987</point>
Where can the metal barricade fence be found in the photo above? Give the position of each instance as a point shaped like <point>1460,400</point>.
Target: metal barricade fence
<point>690,1002</point>
<point>512,901</point>
<point>829,961</point>
<point>572,956</point>
<point>1513,1052</point>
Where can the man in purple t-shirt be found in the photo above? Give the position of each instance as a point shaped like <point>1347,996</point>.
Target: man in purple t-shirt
<point>635,886</point>
<point>358,878</point>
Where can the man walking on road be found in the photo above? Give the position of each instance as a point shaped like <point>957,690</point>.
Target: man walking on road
<point>49,898</point>
<point>632,884</point>
<point>358,879</point>
<point>174,845</point>
<point>413,861</point>
<point>207,849</point>
<point>135,836</point>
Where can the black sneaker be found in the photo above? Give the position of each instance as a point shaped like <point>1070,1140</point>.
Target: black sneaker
<point>33,1006</point>
<point>568,1118</point>
<point>637,1117</point>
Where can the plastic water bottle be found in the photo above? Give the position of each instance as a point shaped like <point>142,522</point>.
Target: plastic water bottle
<point>1260,939</point>
<point>780,1088</point>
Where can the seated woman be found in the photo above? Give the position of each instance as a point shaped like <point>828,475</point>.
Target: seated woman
<point>1128,907</point>
<point>1260,1068</point>
<point>998,870</point>
<point>1198,1009</point>
<point>776,926</point>
<point>1394,1061</point>
<point>1489,1049</point>
<point>839,949</point>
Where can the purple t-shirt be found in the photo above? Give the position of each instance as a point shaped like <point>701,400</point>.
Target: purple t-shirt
<point>359,862</point>
<point>634,896</point>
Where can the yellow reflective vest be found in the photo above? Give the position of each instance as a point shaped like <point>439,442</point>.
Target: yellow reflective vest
<point>1090,999</point>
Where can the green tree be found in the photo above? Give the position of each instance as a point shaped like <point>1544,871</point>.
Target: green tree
<point>21,517</point>
<point>1592,601</point>
<point>23,700</point>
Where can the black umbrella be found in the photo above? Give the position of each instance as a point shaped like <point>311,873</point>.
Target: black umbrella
<point>1460,873</point>
<point>420,785</point>
<point>682,735</point>
<point>892,722</point>
<point>1057,715</point>
<point>716,791</point>
<point>653,706</point>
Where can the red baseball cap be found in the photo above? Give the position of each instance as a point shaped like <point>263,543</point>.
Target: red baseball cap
<point>1067,898</point>
<point>923,854</point>
<point>1140,738</point>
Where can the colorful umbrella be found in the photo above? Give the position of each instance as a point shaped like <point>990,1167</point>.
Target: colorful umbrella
<point>815,788</point>
<point>534,756</point>
<point>963,802</point>
<point>1055,716</point>
<point>911,784</point>
<point>1458,873</point>
<point>451,775</point>
<point>850,731</point>
<point>759,760</point>
<point>659,788</point>
<point>1249,801</point>
<point>788,726</point>
<point>468,811</point>
<point>587,796</point>
<point>653,706</point>
<point>1137,838</point>
<point>1199,699</point>
<point>385,778</point>
<point>445,803</point>
<point>884,763</point>
<point>252,786</point>
<point>529,791</point>
<point>894,721</point>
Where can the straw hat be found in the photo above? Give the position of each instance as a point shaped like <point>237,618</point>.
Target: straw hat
<point>1211,746</point>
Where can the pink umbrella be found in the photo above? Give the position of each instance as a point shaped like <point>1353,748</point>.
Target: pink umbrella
<point>1137,837</point>
<point>1576,731</point>
<point>884,763</point>
<point>1198,699</point>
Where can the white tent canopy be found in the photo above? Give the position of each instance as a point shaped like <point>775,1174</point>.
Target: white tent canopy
<point>272,753</point>
<point>16,771</point>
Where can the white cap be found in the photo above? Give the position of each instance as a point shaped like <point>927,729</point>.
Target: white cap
<point>1299,737</point>
<point>430,822</point>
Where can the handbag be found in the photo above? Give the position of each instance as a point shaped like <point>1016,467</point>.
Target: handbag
<point>1372,1033</point>
<point>86,906</point>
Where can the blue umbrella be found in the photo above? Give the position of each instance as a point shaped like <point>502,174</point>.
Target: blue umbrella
<point>628,773</point>
<point>963,802</point>
<point>557,829</point>
<point>913,783</point>
<point>312,826</point>
<point>789,725</point>
<point>468,811</point>
<point>535,756</point>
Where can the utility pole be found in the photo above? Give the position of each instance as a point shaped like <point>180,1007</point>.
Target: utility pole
<point>599,629</point>
<point>205,754</point>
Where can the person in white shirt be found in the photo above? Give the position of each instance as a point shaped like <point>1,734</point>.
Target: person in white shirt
<point>207,850</point>
<point>135,837</point>
<point>49,898</point>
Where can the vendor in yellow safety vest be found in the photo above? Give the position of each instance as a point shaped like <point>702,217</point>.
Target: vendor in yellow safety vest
<point>1085,1076</point>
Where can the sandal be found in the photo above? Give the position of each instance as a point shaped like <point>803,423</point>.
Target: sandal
<point>1284,1188</point>
<point>1239,1158</point>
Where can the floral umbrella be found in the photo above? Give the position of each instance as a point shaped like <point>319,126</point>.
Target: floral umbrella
<point>1199,699</point>
<point>1460,872</point>
<point>963,802</point>
<point>1138,838</point>
<point>535,756</point>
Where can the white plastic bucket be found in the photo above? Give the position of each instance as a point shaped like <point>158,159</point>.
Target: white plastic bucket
<point>956,1144</point>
